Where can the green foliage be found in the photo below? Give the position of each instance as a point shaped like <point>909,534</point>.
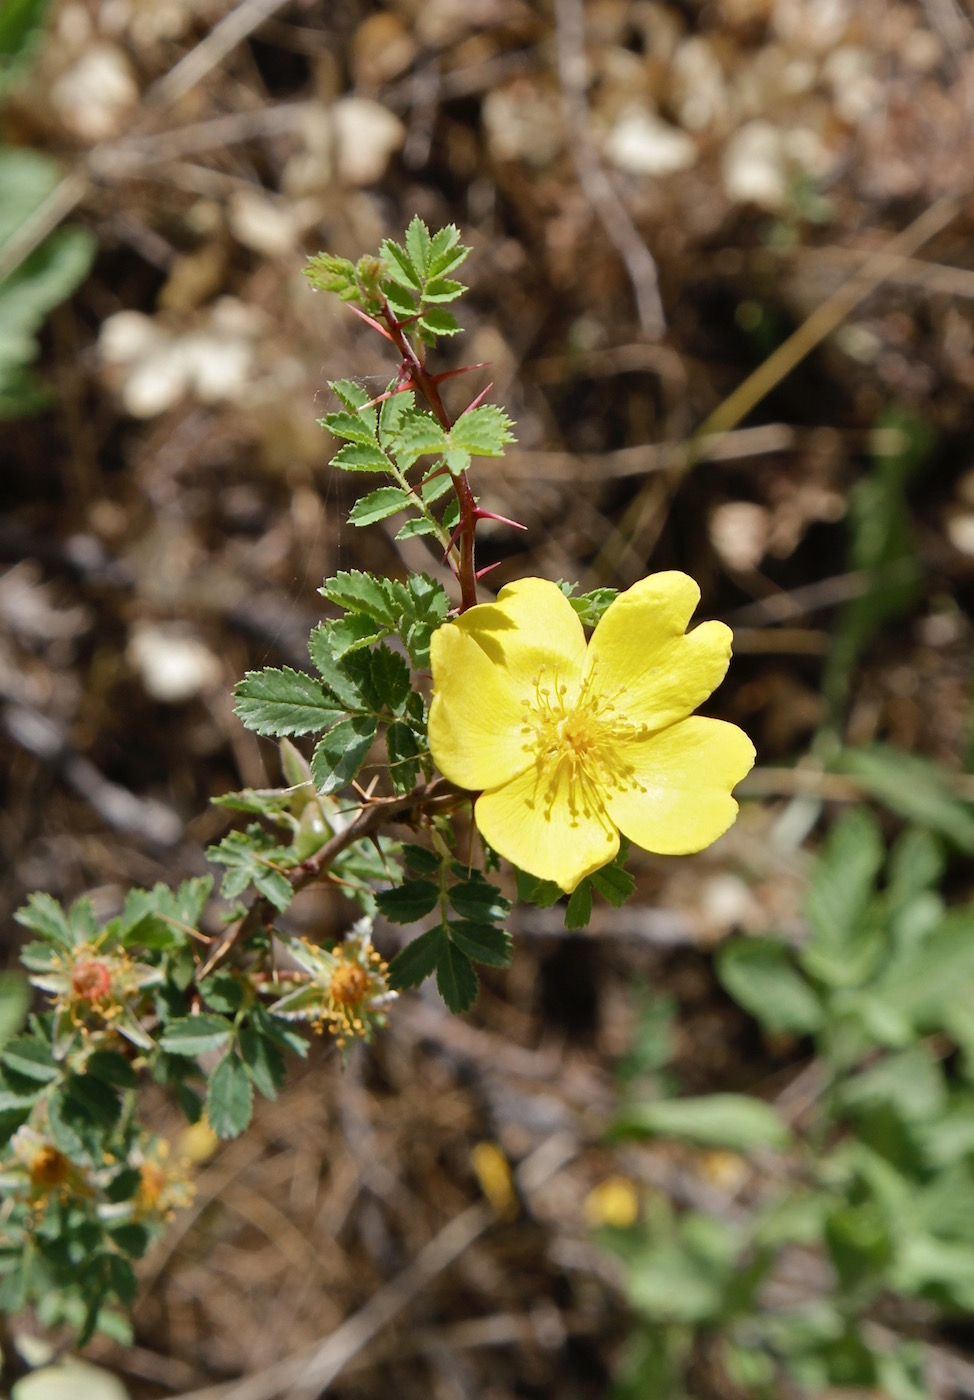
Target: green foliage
<point>413,280</point>
<point>881,546</point>
<point>43,279</point>
<point>21,28</point>
<point>393,440</point>
<point>913,788</point>
<point>470,927</point>
<point>876,1175</point>
<point>734,1121</point>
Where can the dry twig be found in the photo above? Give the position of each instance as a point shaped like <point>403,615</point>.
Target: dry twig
<point>595,182</point>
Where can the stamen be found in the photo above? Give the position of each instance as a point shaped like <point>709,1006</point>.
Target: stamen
<point>576,742</point>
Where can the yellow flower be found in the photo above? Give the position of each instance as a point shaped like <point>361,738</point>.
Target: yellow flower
<point>570,745</point>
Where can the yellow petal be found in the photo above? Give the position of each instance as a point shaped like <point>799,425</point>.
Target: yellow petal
<point>531,628</point>
<point>535,829</point>
<point>640,659</point>
<point>486,664</point>
<point>686,774</point>
<point>476,716</point>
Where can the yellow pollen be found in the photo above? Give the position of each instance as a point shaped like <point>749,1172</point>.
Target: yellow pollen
<point>575,741</point>
<point>49,1167</point>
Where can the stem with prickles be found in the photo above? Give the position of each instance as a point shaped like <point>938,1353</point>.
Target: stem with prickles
<point>466,569</point>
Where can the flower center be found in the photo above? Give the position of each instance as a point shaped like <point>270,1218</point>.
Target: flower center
<point>349,983</point>
<point>576,741</point>
<point>91,980</point>
<point>49,1167</point>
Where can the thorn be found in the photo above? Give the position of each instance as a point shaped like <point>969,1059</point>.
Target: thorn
<point>370,320</point>
<point>464,369</point>
<point>486,569</point>
<point>479,399</point>
<point>492,515</point>
<point>399,388</point>
<point>434,474</point>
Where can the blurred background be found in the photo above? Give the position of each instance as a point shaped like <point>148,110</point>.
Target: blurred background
<point>663,200</point>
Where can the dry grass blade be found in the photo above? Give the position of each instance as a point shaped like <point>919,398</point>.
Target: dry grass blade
<point>596,184</point>
<point>308,1372</point>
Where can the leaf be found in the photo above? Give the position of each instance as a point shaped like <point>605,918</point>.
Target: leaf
<point>417,435</point>
<point>414,963</point>
<point>31,1059</point>
<point>482,431</point>
<point>478,900</point>
<point>327,273</point>
<point>158,918</point>
<point>263,1061</point>
<point>27,177</point>
<point>362,457</point>
<point>408,902</point>
<point>93,1100</point>
<point>531,890</point>
<point>943,1266</point>
<point>340,753</point>
<point>669,1285</point>
<point>578,910</point>
<point>418,245</point>
<point>440,289</point>
<point>43,915</point>
<point>439,483</point>
<point>859,1244</point>
<point>930,979</point>
<point>350,426</point>
<point>483,943</point>
<point>113,1068</point>
<point>844,946</point>
<point>733,1121</point>
<point>133,1240</point>
<point>403,751</point>
<point>229,1097</point>
<point>881,545</point>
<point>355,397</point>
<point>347,674</point>
<point>361,592</point>
<point>437,322</point>
<point>275,1028</point>
<point>910,1082</point>
<point>250,858</point>
<point>379,505</point>
<point>456,980</point>
<point>43,280</point>
<point>419,526</point>
<point>421,859</point>
<point>446,251</point>
<point>393,412</point>
<point>222,992</point>
<point>761,976</point>
<point>916,864</point>
<point>390,678</point>
<point>592,606</point>
<point>425,605</point>
<point>278,702</point>
<point>195,1035</point>
<point>14,1004</point>
<point>914,788</point>
<point>614,883</point>
<point>400,266</point>
<point>82,921</point>
<point>21,28</point>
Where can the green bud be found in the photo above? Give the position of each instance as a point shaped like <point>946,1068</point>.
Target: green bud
<point>313,831</point>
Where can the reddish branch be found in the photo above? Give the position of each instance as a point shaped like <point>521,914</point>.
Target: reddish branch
<point>414,368</point>
<point>409,807</point>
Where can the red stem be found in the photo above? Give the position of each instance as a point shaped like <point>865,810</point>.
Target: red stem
<point>426,383</point>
